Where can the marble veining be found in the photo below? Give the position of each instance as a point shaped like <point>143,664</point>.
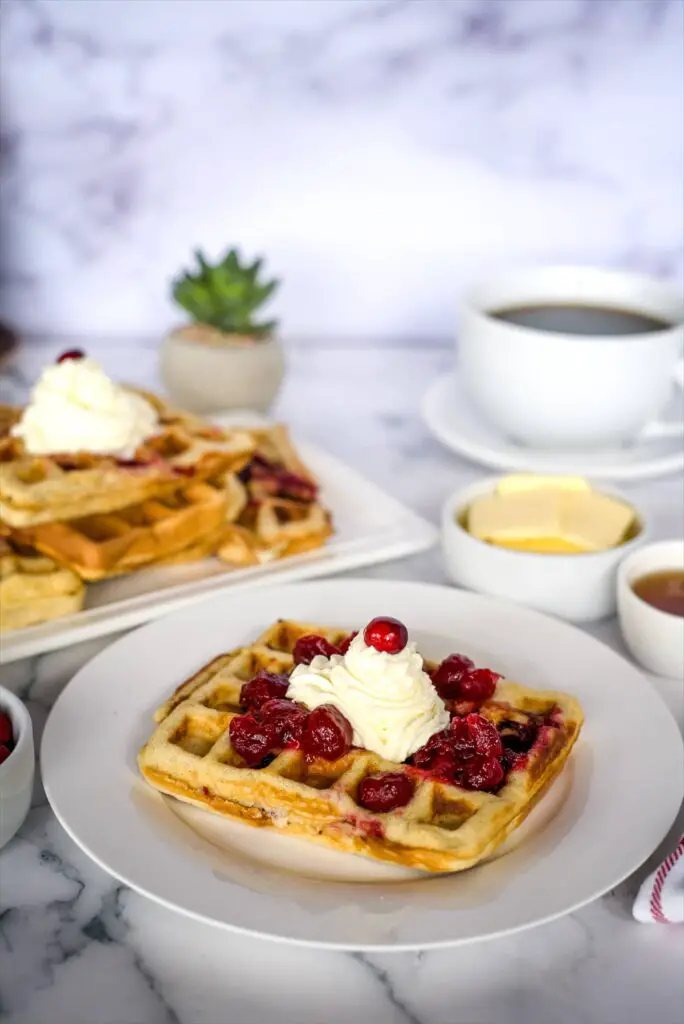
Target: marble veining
<point>382,153</point>
<point>77,947</point>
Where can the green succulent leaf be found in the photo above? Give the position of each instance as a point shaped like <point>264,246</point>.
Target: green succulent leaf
<point>226,294</point>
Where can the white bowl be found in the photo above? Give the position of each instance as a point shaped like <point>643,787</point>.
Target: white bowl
<point>16,773</point>
<point>579,588</point>
<point>655,638</point>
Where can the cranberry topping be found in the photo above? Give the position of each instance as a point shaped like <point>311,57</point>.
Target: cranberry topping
<point>4,752</point>
<point>447,676</point>
<point>484,733</point>
<point>478,685</point>
<point>250,738</point>
<point>482,773</point>
<point>71,353</point>
<point>385,791</point>
<point>6,735</point>
<point>328,734</point>
<point>463,752</point>
<point>386,634</point>
<point>307,647</point>
<point>265,686</point>
<point>346,643</point>
<point>518,736</point>
<point>272,479</point>
<point>285,720</point>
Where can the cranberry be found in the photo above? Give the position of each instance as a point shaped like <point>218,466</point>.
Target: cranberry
<point>265,686</point>
<point>439,745</point>
<point>284,719</point>
<point>347,642</point>
<point>4,752</point>
<point>463,741</point>
<point>444,767</point>
<point>328,734</point>
<point>386,634</point>
<point>309,646</point>
<point>385,791</point>
<point>6,735</point>
<point>250,738</point>
<point>482,773</point>
<point>447,677</point>
<point>478,685</point>
<point>484,733</point>
<point>71,353</point>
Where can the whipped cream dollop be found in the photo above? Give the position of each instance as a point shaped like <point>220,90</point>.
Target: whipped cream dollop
<point>388,699</point>
<point>75,407</point>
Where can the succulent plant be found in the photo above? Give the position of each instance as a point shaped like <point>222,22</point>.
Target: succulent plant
<point>226,295</point>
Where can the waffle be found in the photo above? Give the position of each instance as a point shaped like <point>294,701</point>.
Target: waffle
<point>40,489</point>
<point>110,544</point>
<point>444,827</point>
<point>34,588</point>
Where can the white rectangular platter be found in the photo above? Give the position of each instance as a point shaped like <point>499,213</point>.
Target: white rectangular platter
<point>370,527</point>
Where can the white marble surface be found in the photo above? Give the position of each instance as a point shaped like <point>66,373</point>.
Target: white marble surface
<point>78,948</point>
<point>381,153</point>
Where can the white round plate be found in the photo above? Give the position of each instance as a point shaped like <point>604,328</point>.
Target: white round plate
<point>604,816</point>
<point>450,416</point>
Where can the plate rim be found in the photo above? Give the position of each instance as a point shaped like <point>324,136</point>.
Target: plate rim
<point>537,618</point>
<point>503,459</point>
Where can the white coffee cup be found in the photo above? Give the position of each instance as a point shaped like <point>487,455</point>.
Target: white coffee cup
<point>553,390</point>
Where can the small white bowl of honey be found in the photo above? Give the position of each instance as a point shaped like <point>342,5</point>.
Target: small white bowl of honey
<point>551,543</point>
<point>650,594</point>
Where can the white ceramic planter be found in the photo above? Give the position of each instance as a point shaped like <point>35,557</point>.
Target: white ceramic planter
<point>204,374</point>
<point>16,773</point>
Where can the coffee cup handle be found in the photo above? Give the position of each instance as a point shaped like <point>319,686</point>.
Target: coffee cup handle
<point>668,428</point>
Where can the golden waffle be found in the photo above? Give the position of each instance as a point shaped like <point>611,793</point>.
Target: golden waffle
<point>39,489</point>
<point>275,528</point>
<point>34,588</point>
<point>443,828</point>
<point>109,544</point>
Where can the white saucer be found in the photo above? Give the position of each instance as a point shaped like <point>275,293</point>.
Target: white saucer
<point>450,416</point>
<point>601,820</point>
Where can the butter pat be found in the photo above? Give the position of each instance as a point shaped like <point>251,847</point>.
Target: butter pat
<point>549,515</point>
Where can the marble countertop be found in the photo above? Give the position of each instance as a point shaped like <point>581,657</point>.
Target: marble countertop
<point>79,948</point>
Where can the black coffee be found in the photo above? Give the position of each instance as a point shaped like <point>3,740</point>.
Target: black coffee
<point>574,319</point>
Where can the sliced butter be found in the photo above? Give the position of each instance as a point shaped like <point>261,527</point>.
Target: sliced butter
<point>517,482</point>
<point>549,520</point>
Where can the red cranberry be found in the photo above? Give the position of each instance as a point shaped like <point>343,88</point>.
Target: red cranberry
<point>285,720</point>
<point>6,735</point>
<point>250,738</point>
<point>71,353</point>
<point>482,773</point>
<point>462,739</point>
<point>386,634</point>
<point>484,733</point>
<point>444,767</point>
<point>265,686</point>
<point>447,677</point>
<point>328,734</point>
<point>347,642</point>
<point>385,791</point>
<point>478,685</point>
<point>439,745</point>
<point>4,752</point>
<point>307,647</point>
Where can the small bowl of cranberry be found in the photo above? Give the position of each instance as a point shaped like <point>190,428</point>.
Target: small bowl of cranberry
<point>17,764</point>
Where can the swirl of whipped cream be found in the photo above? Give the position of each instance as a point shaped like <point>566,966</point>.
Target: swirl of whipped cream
<point>388,699</point>
<point>75,407</point>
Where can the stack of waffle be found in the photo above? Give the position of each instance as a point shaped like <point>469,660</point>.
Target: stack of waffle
<point>191,491</point>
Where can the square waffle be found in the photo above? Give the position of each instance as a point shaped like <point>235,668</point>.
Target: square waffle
<point>109,544</point>
<point>34,588</point>
<point>39,489</point>
<point>444,826</point>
